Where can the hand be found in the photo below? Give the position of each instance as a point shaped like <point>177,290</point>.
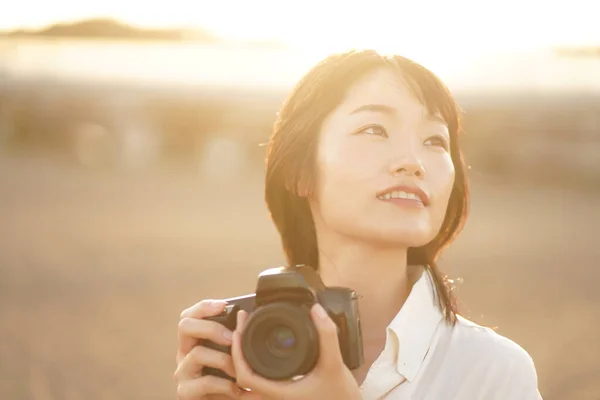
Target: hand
<point>192,357</point>
<point>330,379</point>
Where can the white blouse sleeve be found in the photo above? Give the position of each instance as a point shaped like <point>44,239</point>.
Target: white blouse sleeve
<point>521,378</point>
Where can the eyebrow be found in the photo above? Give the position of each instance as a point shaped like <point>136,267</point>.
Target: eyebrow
<point>385,109</point>
<point>381,108</point>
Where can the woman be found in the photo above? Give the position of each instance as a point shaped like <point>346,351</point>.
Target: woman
<point>366,182</point>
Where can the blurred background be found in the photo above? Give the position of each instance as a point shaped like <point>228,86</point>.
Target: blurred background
<point>131,174</point>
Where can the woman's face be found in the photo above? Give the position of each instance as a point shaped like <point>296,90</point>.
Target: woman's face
<point>384,168</point>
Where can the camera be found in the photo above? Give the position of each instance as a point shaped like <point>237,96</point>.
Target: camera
<point>280,340</point>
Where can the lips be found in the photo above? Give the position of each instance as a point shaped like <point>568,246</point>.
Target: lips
<point>404,192</point>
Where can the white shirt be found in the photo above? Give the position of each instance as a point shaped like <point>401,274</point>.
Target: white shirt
<point>426,358</point>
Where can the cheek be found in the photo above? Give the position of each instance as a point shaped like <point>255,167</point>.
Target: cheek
<point>343,167</point>
<point>444,182</point>
<point>344,180</point>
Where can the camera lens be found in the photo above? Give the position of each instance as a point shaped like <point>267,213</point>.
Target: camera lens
<point>280,341</point>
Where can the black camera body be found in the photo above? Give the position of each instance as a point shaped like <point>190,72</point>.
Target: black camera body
<point>280,340</point>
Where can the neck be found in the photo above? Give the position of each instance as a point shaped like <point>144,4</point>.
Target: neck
<point>379,276</point>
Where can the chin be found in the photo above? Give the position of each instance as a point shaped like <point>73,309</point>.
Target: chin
<point>407,237</point>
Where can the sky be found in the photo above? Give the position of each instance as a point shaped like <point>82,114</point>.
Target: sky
<point>445,27</point>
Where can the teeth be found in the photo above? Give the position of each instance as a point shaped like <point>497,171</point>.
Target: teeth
<point>397,194</point>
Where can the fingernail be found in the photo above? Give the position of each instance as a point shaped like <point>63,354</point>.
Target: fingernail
<point>228,335</point>
<point>217,303</point>
<point>320,311</point>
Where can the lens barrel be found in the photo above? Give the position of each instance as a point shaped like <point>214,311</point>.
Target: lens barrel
<point>280,341</point>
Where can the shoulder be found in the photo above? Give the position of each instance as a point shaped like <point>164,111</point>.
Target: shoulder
<point>488,343</point>
<point>497,360</point>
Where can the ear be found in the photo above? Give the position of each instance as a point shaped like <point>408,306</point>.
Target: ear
<point>304,188</point>
<point>301,189</point>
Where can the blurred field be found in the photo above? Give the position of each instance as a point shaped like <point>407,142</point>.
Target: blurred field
<point>95,269</point>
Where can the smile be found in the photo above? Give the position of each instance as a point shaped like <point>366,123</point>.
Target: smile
<point>398,194</point>
<point>404,195</point>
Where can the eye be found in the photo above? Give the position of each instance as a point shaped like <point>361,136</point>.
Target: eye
<point>437,140</point>
<point>374,130</point>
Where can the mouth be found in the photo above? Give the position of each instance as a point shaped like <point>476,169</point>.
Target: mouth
<point>404,193</point>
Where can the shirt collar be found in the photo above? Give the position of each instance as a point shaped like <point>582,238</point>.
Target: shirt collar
<point>415,324</point>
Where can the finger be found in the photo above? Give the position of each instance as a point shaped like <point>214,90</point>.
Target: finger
<point>330,356</point>
<point>203,309</point>
<point>207,385</point>
<point>201,357</point>
<point>245,377</point>
<point>190,331</point>
<point>242,319</point>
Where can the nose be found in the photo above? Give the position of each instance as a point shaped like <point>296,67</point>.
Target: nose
<point>408,166</point>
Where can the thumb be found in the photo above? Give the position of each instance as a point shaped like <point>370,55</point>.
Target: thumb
<point>330,356</point>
